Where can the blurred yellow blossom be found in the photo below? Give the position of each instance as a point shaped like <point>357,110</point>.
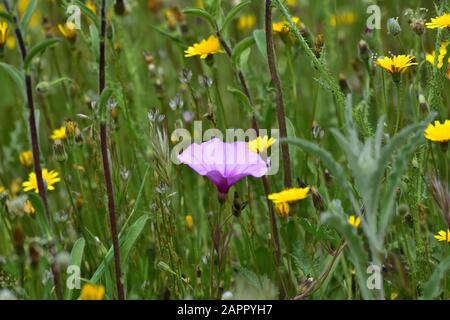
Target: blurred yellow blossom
<point>49,177</point>
<point>26,158</point>
<point>92,292</point>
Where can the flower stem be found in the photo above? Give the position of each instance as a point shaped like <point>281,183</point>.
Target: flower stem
<point>35,146</point>
<point>106,168</point>
<point>266,185</point>
<point>279,93</point>
<point>399,106</point>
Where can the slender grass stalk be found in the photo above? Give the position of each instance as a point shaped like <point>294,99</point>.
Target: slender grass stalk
<point>105,160</point>
<point>35,147</point>
<point>279,93</point>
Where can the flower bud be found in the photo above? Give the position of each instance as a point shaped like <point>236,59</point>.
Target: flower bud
<point>317,199</point>
<point>43,87</point>
<point>59,152</point>
<point>393,27</point>
<point>423,105</point>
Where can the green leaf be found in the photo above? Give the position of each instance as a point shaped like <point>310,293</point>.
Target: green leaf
<point>106,94</point>
<point>94,39</point>
<point>88,12</point>
<point>16,75</point>
<point>260,39</point>
<point>37,49</point>
<point>76,257</point>
<point>433,288</point>
<point>336,218</point>
<point>328,161</point>
<point>198,12</point>
<point>126,243</point>
<point>233,13</point>
<point>243,99</point>
<point>240,47</point>
<point>27,16</point>
<point>168,35</point>
<point>6,16</point>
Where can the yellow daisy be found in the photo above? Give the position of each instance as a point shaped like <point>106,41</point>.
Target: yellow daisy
<point>246,22</point>
<point>28,208</point>
<point>189,222</point>
<point>443,235</point>
<point>355,221</point>
<point>442,54</point>
<point>2,189</point>
<point>284,198</point>
<point>59,134</point>
<point>204,48</point>
<point>260,145</point>
<point>92,292</point>
<point>68,30</point>
<point>282,27</point>
<point>49,177</point>
<point>344,18</point>
<point>3,34</point>
<point>26,158</point>
<point>396,64</point>
<point>439,22</point>
<point>91,6</point>
<point>438,132</point>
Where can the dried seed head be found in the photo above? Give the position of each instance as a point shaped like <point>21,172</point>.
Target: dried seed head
<point>59,152</point>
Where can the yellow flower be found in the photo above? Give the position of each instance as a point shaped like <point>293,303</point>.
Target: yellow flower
<point>284,198</point>
<point>442,53</point>
<point>70,127</point>
<point>246,22</point>
<point>3,33</point>
<point>354,221</point>
<point>282,27</point>
<point>11,42</point>
<point>2,189</point>
<point>92,292</point>
<point>260,145</point>
<point>22,6</point>
<point>28,208</point>
<point>439,22</point>
<point>344,18</point>
<point>443,236</point>
<point>49,177</point>
<point>291,3</point>
<point>91,6</point>
<point>189,222</point>
<point>199,4</point>
<point>59,134</point>
<point>396,64</point>
<point>68,30</point>
<point>26,158</point>
<point>283,209</point>
<point>14,187</point>
<point>438,132</point>
<point>204,48</point>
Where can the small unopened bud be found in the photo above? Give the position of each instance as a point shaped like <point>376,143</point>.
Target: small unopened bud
<point>34,252</point>
<point>78,137</point>
<point>238,205</point>
<point>48,28</point>
<point>423,105</point>
<point>43,87</point>
<point>71,127</point>
<point>364,51</point>
<point>119,7</point>
<point>393,27</point>
<point>18,238</point>
<point>59,152</point>
<point>418,26</point>
<point>343,83</point>
<point>319,44</point>
<point>317,199</point>
<point>328,177</point>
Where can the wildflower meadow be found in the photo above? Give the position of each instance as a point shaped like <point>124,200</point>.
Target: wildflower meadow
<point>224,150</point>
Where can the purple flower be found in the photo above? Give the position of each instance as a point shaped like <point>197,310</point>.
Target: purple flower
<point>223,163</point>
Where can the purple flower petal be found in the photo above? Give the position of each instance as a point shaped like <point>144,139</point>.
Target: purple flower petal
<point>223,163</point>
